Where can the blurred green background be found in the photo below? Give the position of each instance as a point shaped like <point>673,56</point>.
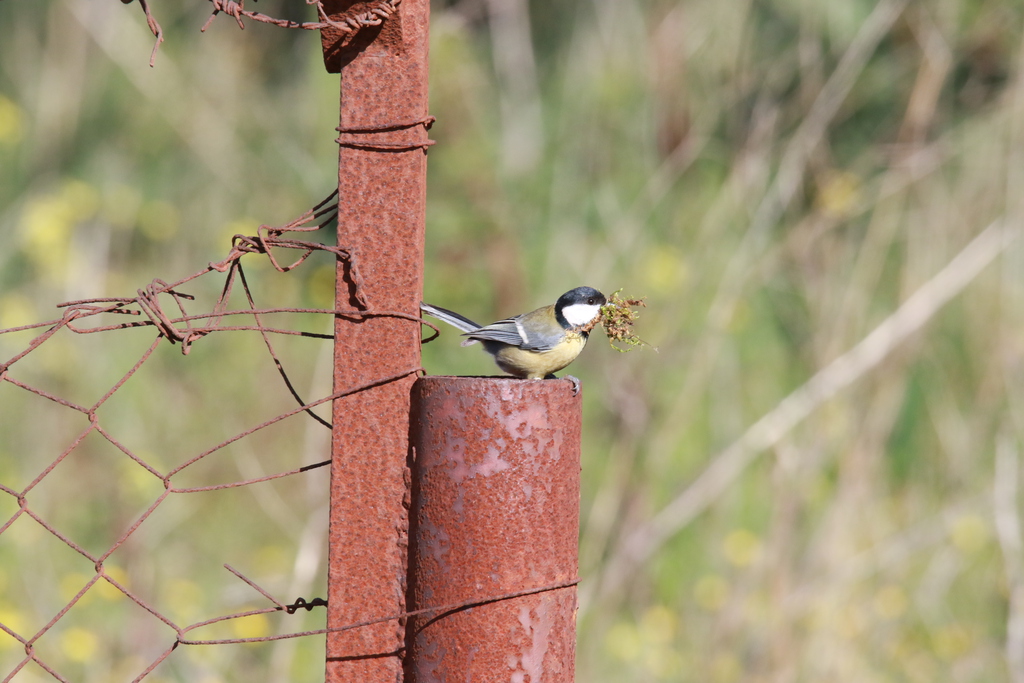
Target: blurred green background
<point>776,176</point>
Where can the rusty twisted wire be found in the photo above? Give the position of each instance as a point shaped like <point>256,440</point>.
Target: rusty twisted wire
<point>177,325</point>
<point>347,25</point>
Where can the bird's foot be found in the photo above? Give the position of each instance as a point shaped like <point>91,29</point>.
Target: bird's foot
<point>575,382</point>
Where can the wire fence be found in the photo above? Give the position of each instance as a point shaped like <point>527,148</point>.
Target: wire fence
<point>163,307</point>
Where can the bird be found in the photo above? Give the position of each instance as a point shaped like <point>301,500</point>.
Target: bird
<point>537,344</point>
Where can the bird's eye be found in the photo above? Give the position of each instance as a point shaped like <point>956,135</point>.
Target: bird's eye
<point>590,301</point>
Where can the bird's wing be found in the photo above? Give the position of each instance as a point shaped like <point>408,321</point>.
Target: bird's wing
<point>504,331</point>
<point>451,317</point>
<point>543,343</point>
<point>512,332</point>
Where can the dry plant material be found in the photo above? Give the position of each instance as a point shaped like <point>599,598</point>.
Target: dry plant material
<point>617,317</point>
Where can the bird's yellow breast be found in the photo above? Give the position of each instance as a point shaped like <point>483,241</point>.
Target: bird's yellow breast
<point>540,364</point>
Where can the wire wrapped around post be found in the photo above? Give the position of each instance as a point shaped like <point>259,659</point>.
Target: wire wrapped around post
<point>381,214</point>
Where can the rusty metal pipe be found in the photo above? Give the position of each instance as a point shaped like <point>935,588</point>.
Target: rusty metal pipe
<point>495,510</point>
<point>380,48</point>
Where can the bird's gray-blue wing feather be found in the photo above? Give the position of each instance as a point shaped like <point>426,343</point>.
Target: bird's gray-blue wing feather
<point>504,331</point>
<point>508,332</point>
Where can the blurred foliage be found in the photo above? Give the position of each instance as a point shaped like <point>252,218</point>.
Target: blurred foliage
<point>776,176</point>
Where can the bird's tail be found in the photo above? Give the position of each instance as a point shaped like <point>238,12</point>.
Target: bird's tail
<point>451,317</point>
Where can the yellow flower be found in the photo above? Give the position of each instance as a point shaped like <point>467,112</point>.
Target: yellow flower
<point>79,644</point>
<point>253,626</point>
<point>711,592</point>
<point>969,533</point>
<point>107,590</point>
<point>741,547</point>
<point>623,642</point>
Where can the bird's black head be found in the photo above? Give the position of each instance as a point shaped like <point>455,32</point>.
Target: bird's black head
<point>579,306</point>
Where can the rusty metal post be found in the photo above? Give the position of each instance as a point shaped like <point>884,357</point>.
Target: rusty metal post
<point>382,194</point>
<point>495,510</point>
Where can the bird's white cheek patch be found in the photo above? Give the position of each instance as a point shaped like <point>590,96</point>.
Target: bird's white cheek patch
<point>580,314</point>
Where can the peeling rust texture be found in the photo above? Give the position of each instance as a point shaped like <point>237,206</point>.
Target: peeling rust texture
<point>382,193</point>
<point>495,509</point>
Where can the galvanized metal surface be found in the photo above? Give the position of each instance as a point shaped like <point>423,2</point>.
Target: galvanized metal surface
<point>495,509</point>
<point>382,186</point>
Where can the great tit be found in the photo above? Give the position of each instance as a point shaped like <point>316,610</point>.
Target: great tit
<point>537,344</point>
